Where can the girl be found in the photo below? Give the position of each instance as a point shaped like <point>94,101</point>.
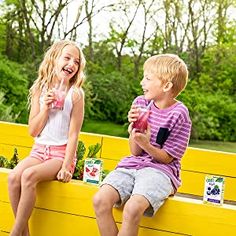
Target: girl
<point>55,131</point>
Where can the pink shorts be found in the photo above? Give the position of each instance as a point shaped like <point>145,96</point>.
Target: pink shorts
<point>48,152</point>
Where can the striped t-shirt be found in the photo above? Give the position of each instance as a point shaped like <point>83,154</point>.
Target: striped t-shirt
<point>170,131</point>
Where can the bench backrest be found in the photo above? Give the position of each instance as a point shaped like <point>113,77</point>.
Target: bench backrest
<point>196,163</point>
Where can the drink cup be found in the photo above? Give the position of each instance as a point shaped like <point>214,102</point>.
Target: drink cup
<point>59,99</point>
<point>141,123</point>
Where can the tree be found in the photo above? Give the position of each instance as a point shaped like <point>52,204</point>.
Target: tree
<point>119,30</point>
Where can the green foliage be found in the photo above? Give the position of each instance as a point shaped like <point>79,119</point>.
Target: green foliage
<point>3,161</point>
<point>89,99</point>
<point>212,114</point>
<point>81,149</point>
<point>113,92</point>
<point>5,111</point>
<point>105,127</point>
<point>92,153</point>
<point>93,150</point>
<point>14,86</point>
<point>210,95</point>
<point>218,69</point>
<point>14,160</point>
<point>10,164</point>
<point>103,60</point>
<point>104,174</point>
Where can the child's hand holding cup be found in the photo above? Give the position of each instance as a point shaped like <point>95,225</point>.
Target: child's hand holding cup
<point>141,124</point>
<point>60,94</point>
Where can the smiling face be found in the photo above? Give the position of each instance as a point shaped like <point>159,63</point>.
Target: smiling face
<point>165,76</point>
<point>153,87</point>
<point>68,62</point>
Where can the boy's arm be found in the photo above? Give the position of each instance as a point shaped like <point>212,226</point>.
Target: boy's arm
<point>173,147</point>
<point>158,154</point>
<point>135,149</point>
<point>133,114</point>
<point>142,140</point>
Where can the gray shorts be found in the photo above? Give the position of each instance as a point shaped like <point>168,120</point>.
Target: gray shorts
<point>151,183</point>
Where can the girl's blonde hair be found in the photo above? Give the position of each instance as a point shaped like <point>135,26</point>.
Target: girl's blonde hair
<point>46,71</point>
<point>169,68</point>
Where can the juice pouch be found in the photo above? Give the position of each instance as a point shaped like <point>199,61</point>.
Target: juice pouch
<point>92,170</point>
<point>214,190</point>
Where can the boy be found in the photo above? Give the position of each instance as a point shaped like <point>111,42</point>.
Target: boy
<point>144,180</point>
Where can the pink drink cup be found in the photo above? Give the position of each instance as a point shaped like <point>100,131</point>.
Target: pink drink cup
<point>141,123</point>
<point>60,99</point>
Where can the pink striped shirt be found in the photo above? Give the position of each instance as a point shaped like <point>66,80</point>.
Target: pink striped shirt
<point>170,131</point>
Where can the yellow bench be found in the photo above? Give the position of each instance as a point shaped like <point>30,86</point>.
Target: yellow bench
<point>196,163</point>
<point>66,209</point>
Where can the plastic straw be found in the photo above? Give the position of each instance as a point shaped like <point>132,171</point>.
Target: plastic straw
<point>60,86</point>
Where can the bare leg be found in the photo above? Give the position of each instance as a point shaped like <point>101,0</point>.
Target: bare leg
<point>26,231</point>
<point>132,213</point>
<point>29,179</point>
<point>14,184</point>
<point>103,202</point>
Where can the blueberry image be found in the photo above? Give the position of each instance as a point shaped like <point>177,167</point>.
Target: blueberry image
<point>209,191</point>
<point>214,191</point>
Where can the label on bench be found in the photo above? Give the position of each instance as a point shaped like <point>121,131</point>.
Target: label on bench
<point>214,190</point>
<point>92,170</point>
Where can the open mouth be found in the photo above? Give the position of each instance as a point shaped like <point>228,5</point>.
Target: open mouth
<point>67,70</point>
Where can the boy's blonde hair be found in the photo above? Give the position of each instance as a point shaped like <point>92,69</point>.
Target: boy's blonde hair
<point>168,68</point>
<point>46,71</point>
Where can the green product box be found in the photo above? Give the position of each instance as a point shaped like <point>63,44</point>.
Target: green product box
<point>92,170</point>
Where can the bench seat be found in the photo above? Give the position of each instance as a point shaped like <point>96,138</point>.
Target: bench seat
<point>66,209</point>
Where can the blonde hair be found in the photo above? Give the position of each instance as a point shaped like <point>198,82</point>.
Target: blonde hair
<point>168,68</point>
<point>46,71</point>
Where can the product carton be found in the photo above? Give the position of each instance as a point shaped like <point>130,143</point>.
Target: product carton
<point>214,190</point>
<point>92,170</point>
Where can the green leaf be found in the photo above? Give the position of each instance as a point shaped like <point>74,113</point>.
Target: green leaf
<point>93,150</point>
<point>80,150</point>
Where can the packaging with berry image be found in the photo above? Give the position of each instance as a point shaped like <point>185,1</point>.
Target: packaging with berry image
<point>92,170</point>
<point>214,190</point>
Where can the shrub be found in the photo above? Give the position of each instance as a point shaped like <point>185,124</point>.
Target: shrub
<point>10,164</point>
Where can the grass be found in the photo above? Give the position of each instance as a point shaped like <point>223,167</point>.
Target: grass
<point>214,145</point>
<point>105,127</point>
<point>109,128</point>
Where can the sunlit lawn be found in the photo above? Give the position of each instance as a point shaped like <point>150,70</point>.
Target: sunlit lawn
<point>105,127</point>
<point>214,145</point>
<point>110,128</point>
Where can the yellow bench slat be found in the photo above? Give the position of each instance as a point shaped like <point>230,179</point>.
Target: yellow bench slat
<point>208,161</point>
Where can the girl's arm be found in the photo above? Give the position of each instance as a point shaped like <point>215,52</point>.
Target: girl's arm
<point>37,117</point>
<point>76,122</point>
